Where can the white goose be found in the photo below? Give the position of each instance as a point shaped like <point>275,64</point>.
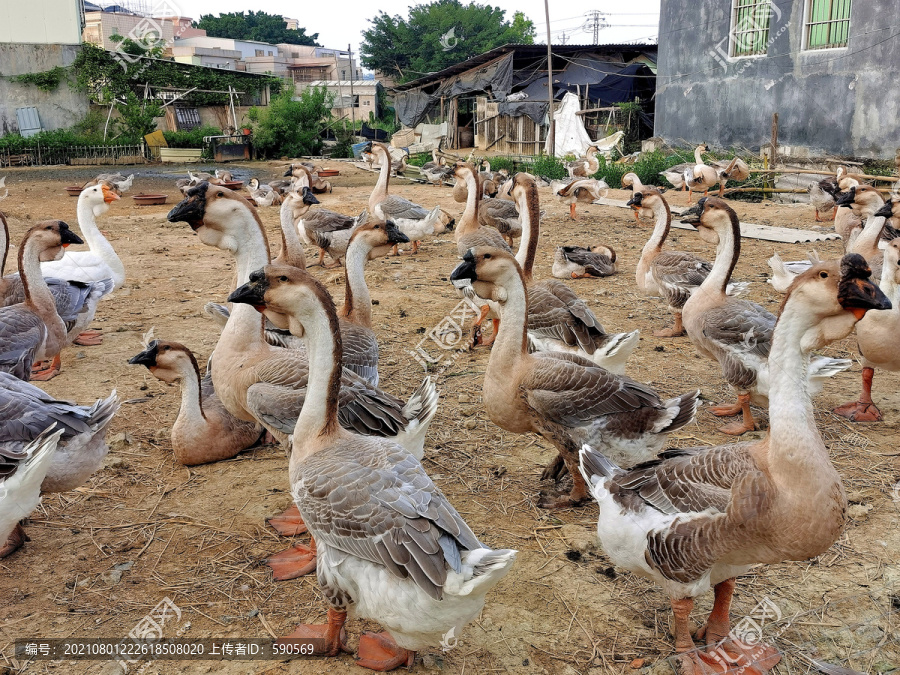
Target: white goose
<point>392,546</point>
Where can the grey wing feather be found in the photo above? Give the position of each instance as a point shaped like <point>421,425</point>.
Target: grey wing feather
<point>741,322</point>
<point>395,207</point>
<point>555,311</point>
<point>568,389</point>
<point>22,332</point>
<point>323,220</point>
<point>678,274</point>
<point>378,504</point>
<point>360,351</point>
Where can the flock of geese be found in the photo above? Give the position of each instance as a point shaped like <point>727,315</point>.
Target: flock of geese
<point>384,541</point>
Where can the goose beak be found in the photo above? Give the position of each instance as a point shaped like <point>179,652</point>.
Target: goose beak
<point>395,236</point>
<point>692,215</point>
<point>192,208</point>
<point>856,292</point>
<point>290,171</point>
<point>636,199</point>
<point>67,236</point>
<point>109,196</point>
<point>147,357</point>
<point>309,197</point>
<point>846,198</point>
<point>466,269</point>
<point>253,292</point>
<point>885,211</point>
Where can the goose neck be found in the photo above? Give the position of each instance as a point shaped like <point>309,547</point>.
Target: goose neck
<point>357,301</point>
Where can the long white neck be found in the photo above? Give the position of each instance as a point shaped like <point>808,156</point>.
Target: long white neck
<point>794,440</point>
<point>357,301</point>
<point>530,217</point>
<point>660,228</point>
<point>319,413</point>
<point>888,284</point>
<point>468,221</point>
<point>251,252</point>
<point>191,411</point>
<point>698,156</point>
<point>510,345</point>
<point>727,252</point>
<point>380,193</point>
<point>98,243</point>
<point>866,243</point>
<point>291,247</point>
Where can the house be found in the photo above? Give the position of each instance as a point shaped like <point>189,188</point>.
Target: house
<point>36,37</point>
<point>352,98</point>
<point>499,100</point>
<point>211,57</point>
<point>827,68</point>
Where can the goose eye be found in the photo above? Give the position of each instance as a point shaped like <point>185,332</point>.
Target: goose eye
<point>487,256</point>
<point>282,278</point>
<point>823,275</point>
<point>165,348</point>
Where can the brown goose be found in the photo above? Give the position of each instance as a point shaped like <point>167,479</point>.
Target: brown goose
<point>822,194</point>
<point>502,215</point>
<point>697,518</point>
<point>867,201</point>
<point>875,334</point>
<point>736,333</point>
<point>674,275</point>
<point>563,397</point>
<point>32,330</point>
<point>204,431</point>
<point>577,262</point>
<point>393,548</point>
<point>586,166</point>
<point>584,190</point>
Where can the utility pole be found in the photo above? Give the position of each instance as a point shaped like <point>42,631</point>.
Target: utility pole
<point>563,39</point>
<point>352,98</point>
<point>552,130</point>
<point>594,21</point>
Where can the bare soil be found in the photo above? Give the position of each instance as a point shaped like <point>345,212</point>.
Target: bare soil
<point>199,535</point>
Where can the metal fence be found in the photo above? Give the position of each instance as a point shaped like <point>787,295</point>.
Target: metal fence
<point>76,155</point>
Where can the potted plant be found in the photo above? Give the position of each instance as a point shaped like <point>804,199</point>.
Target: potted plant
<point>186,146</point>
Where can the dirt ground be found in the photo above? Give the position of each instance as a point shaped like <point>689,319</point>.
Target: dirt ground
<point>198,535</point>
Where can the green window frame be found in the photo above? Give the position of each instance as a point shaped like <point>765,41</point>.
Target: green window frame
<point>750,27</point>
<point>827,24</point>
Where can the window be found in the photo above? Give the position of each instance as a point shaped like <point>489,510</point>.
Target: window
<point>259,52</point>
<point>827,24</point>
<point>750,27</point>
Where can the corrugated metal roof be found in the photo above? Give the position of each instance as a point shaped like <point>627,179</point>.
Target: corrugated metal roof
<point>533,49</point>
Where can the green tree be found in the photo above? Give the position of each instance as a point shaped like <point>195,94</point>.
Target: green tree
<point>138,116</point>
<point>292,128</point>
<point>437,35</point>
<point>258,26</point>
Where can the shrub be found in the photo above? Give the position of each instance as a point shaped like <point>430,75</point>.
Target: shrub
<point>192,138</point>
<point>292,128</point>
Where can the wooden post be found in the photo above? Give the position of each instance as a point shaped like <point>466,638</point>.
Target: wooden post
<point>774,145</point>
<point>552,130</point>
<point>352,109</point>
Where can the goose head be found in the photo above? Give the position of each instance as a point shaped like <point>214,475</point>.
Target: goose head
<point>862,198</point>
<point>166,361</point>
<point>601,249</point>
<point>284,292</point>
<point>824,303</point>
<point>52,238</point>
<point>211,212</point>
<point>299,201</point>
<point>98,197</point>
<point>463,170</point>
<point>491,271</point>
<point>378,236</point>
<point>711,217</point>
<point>253,184</point>
<point>646,198</point>
<point>888,209</point>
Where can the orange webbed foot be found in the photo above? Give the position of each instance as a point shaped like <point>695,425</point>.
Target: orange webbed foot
<point>859,411</point>
<point>332,634</point>
<point>89,338</point>
<point>14,541</point>
<point>670,332</point>
<point>726,410</point>
<point>289,523</point>
<point>293,563</point>
<point>379,651</point>
<point>41,372</point>
<point>737,428</point>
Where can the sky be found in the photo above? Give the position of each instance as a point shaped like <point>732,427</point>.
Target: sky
<point>340,23</point>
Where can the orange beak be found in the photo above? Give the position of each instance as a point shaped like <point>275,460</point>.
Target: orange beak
<point>109,196</point>
<point>66,245</point>
<point>859,313</point>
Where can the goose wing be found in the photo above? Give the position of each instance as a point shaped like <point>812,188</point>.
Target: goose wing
<point>556,312</point>
<point>323,220</point>
<point>594,263</point>
<point>376,502</point>
<point>715,491</point>
<point>678,274</point>
<point>398,208</point>
<point>22,332</point>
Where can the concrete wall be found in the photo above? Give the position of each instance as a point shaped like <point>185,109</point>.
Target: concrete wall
<point>41,22</point>
<point>836,101</point>
<point>59,108</point>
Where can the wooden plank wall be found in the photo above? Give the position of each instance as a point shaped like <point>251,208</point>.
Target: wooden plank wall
<point>506,135</point>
